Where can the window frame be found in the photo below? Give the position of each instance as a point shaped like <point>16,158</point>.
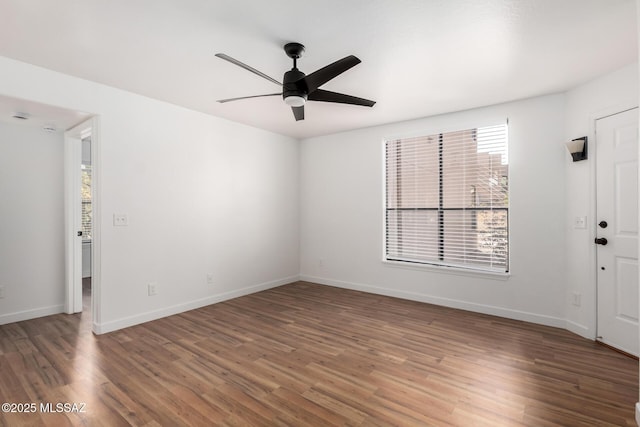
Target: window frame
<point>471,270</point>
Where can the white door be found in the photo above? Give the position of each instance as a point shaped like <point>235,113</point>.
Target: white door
<point>617,230</point>
<point>73,242</point>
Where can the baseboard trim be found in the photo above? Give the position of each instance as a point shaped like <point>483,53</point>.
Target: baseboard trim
<point>20,316</point>
<point>638,413</point>
<point>579,329</point>
<point>114,325</point>
<point>446,302</point>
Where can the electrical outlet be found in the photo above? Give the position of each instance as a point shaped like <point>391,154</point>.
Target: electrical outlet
<point>152,288</point>
<point>321,263</point>
<point>576,299</point>
<point>209,279</point>
<point>1,291</point>
<point>120,220</point>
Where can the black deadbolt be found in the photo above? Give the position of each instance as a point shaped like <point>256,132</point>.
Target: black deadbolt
<point>603,224</point>
<point>601,241</point>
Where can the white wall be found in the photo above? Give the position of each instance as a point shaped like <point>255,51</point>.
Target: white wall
<point>203,195</point>
<point>342,214</point>
<point>31,220</point>
<point>606,95</point>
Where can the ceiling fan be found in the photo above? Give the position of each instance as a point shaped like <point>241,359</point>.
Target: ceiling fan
<point>298,88</point>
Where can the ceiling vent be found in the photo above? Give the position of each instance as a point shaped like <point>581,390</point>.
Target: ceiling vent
<point>20,116</point>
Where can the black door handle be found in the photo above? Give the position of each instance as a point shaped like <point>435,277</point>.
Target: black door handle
<point>79,233</point>
<point>601,241</point>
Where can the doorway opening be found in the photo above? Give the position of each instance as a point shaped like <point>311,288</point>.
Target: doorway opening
<point>81,231</point>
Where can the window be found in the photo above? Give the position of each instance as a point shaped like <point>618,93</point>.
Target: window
<point>87,213</point>
<point>447,199</point>
<point>85,188</point>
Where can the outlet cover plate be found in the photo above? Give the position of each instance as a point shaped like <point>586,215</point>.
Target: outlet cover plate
<point>576,299</point>
<point>152,288</point>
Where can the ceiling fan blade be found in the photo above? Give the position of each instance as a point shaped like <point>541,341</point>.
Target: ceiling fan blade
<point>323,75</point>
<point>327,96</point>
<point>298,113</point>
<point>246,67</point>
<point>222,101</point>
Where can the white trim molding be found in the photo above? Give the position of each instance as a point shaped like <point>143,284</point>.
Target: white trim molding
<point>445,302</point>
<point>581,330</point>
<point>20,316</point>
<point>114,325</point>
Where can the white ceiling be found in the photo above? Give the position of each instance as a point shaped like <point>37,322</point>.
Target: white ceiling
<point>419,57</point>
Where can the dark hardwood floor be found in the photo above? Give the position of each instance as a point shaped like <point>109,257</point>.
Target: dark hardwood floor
<point>306,354</point>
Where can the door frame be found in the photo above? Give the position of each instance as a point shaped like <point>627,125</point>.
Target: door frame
<point>593,210</point>
<point>72,203</point>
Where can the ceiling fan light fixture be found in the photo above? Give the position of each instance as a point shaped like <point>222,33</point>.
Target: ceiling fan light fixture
<point>295,100</point>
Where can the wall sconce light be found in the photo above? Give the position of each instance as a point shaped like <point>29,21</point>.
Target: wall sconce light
<point>578,148</point>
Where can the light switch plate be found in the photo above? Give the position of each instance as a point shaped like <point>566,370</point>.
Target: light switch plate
<point>120,220</point>
<point>580,222</point>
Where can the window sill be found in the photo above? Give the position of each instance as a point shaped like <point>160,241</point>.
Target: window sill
<point>447,270</point>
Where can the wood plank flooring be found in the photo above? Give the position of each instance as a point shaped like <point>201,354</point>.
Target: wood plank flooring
<point>311,355</point>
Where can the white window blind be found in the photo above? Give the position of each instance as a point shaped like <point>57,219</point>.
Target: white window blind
<point>447,199</point>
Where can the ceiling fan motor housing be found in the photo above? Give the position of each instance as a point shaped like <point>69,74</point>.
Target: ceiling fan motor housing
<point>293,84</point>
